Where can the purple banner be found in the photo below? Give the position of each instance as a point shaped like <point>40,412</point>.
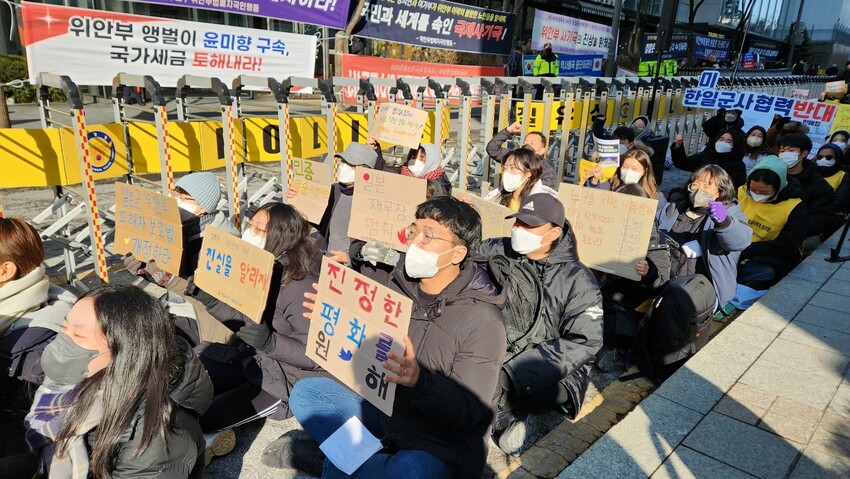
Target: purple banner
<point>328,13</point>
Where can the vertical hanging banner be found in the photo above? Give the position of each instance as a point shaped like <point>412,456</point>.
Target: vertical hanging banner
<point>569,35</point>
<point>90,46</point>
<point>328,13</point>
<point>437,24</point>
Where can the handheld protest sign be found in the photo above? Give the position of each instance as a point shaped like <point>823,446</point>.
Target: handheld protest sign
<point>148,225</point>
<point>836,87</point>
<point>612,230</point>
<point>235,272</point>
<point>384,204</point>
<point>586,168</point>
<point>313,181</point>
<point>800,93</point>
<point>356,321</point>
<point>493,222</point>
<point>400,125</point>
<point>609,152</point>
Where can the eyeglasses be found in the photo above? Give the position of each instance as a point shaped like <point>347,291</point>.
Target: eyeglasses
<point>256,229</point>
<point>824,157</point>
<point>425,236</point>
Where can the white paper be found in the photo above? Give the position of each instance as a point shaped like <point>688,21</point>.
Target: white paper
<point>692,249</point>
<point>350,446</point>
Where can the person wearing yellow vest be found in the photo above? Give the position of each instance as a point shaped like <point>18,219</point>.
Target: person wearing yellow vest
<point>830,164</point>
<point>545,65</point>
<point>775,211</point>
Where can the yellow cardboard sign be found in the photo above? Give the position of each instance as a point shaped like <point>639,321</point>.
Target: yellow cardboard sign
<point>585,171</point>
<point>148,225</point>
<point>313,181</point>
<point>840,122</point>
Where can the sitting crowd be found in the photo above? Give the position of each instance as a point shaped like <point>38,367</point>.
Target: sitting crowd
<point>126,385</point>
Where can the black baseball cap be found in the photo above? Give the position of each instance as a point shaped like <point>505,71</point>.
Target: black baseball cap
<point>539,209</point>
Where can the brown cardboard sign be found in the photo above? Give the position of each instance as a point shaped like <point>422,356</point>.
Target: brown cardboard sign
<point>148,225</point>
<point>313,181</point>
<point>400,125</point>
<point>493,222</point>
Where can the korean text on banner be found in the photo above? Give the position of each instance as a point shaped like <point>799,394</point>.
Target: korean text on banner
<point>384,205</point>
<point>678,47</point>
<point>313,181</point>
<point>235,272</point>
<point>569,35</point>
<point>77,38</point>
<point>438,24</point>
<point>712,47</point>
<point>835,86</point>
<point>568,65</point>
<point>493,222</point>
<point>148,225</point>
<point>356,322</point>
<point>328,13</point>
<point>609,152</point>
<point>612,229</point>
<point>842,119</point>
<point>400,125</point>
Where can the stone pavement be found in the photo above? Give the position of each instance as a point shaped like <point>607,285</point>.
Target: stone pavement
<point>768,397</point>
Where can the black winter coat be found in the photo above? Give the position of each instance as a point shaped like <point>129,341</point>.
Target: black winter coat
<point>497,152</point>
<point>574,335</point>
<point>717,125</point>
<point>784,252</point>
<point>818,197</point>
<point>731,162</point>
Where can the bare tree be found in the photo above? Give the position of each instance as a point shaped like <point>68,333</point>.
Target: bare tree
<point>693,8</point>
<point>634,50</point>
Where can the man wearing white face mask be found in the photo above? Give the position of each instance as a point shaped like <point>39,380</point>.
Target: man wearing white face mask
<point>724,121</point>
<point>554,373</point>
<point>818,197</point>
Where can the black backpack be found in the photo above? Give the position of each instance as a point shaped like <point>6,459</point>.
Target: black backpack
<point>524,313</point>
<point>676,326</point>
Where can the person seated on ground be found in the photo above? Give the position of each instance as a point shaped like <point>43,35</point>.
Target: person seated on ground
<point>818,197</point>
<point>198,195</point>
<point>623,299</point>
<point>830,163</point>
<point>447,383</point>
<point>756,148</point>
<point>523,176</point>
<point>840,138</point>
<point>534,141</point>
<point>253,377</point>
<point>554,373</point>
<point>31,308</point>
<point>639,127</point>
<point>122,393</point>
<point>783,126</point>
<point>635,169</point>
<point>725,150</point>
<point>333,227</point>
<point>725,121</point>
<point>626,135</point>
<point>705,230</point>
<point>772,202</point>
<point>425,162</point>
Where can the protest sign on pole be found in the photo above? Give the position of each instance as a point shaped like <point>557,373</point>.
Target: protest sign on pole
<point>235,272</point>
<point>313,181</point>
<point>717,49</point>
<point>384,205</point>
<point>356,322</point>
<point>72,40</point>
<point>493,222</point>
<point>328,13</point>
<point>612,229</point>
<point>400,125</point>
<point>148,225</point>
<point>609,152</point>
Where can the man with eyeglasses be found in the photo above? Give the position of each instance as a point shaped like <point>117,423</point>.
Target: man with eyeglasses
<point>448,375</point>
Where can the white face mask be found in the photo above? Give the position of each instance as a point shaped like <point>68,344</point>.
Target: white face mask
<point>790,158</point>
<point>512,181</point>
<point>630,177</point>
<point>524,241</point>
<point>730,117</point>
<point>760,198</point>
<point>840,144</point>
<point>345,174</point>
<point>754,141</point>
<point>416,167</point>
<point>419,263</point>
<point>721,146</point>
<point>623,149</point>
<point>825,163</point>
<point>249,237</point>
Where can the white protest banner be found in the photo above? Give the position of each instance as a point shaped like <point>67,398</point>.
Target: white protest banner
<point>493,222</point>
<point>235,272</point>
<point>384,205</point>
<point>400,125</point>
<point>92,46</point>
<point>609,152</point>
<point>148,225</point>
<point>612,229</point>
<point>569,35</point>
<point>356,322</point>
<point>313,181</point>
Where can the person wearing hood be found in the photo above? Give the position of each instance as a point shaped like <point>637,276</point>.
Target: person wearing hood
<point>830,164</point>
<point>447,380</point>
<point>425,162</point>
<point>783,126</point>
<point>31,308</point>
<point>840,139</point>
<point>756,148</point>
<point>534,141</point>
<point>198,195</point>
<point>122,393</point>
<point>706,230</point>
<point>818,197</point>
<point>553,374</point>
<point>523,176</point>
<point>726,151</point>
<point>648,141</point>
<point>724,121</point>
<point>777,214</point>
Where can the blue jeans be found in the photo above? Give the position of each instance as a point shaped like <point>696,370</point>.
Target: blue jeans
<point>322,406</point>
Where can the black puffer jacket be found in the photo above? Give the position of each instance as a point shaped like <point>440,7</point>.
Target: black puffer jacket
<point>498,152</point>
<point>459,342</point>
<point>717,125</point>
<point>574,335</point>
<point>818,197</point>
<point>732,162</point>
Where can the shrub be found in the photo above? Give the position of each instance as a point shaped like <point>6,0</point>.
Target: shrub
<point>14,67</point>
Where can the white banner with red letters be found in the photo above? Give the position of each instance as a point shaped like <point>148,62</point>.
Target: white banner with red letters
<point>92,46</point>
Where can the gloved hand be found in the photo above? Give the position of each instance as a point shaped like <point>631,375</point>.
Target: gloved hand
<point>258,336</point>
<point>376,252</point>
<point>154,274</point>
<point>132,264</point>
<point>717,212</point>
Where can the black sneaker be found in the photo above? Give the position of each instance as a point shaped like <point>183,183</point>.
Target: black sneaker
<point>607,359</point>
<point>509,431</point>
<point>288,452</point>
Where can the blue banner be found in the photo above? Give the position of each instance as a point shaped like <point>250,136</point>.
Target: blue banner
<point>717,49</point>
<point>568,65</point>
<point>678,47</point>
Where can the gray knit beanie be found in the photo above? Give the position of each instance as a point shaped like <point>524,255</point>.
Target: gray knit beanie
<point>204,188</point>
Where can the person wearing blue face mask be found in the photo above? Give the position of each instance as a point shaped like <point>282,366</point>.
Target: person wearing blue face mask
<point>726,150</point>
